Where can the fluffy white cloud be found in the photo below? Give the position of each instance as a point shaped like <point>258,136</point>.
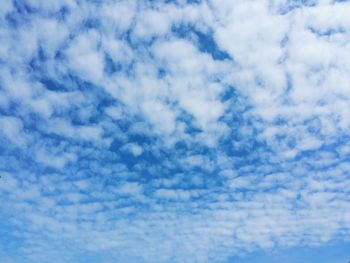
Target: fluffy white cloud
<point>12,129</point>
<point>123,131</point>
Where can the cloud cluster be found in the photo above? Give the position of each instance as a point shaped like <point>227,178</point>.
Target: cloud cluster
<point>172,131</point>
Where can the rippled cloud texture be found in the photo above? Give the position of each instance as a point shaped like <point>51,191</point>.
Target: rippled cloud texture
<point>172,131</point>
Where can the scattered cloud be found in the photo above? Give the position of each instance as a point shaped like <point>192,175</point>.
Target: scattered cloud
<point>172,131</point>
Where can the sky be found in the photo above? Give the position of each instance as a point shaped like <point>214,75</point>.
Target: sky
<point>174,131</point>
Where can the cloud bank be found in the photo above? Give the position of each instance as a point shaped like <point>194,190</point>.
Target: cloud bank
<point>172,131</point>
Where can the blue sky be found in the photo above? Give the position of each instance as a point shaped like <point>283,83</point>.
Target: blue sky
<point>333,252</point>
<point>174,131</point>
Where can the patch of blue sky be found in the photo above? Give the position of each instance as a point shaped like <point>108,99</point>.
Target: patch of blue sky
<point>291,5</point>
<point>204,41</point>
<point>333,252</point>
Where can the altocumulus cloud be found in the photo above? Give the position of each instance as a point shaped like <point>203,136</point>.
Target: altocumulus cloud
<point>172,131</point>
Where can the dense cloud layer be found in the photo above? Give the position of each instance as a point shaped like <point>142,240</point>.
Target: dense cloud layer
<point>172,131</point>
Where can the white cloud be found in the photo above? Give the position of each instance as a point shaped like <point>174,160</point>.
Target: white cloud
<point>12,129</point>
<point>84,57</point>
<point>133,148</point>
<point>216,174</point>
<point>54,161</point>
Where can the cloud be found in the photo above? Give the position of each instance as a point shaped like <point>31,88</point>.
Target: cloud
<point>133,148</point>
<point>172,131</point>
<point>12,130</point>
<point>84,57</point>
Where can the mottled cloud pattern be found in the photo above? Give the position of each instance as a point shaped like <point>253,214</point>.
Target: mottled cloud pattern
<point>172,131</point>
